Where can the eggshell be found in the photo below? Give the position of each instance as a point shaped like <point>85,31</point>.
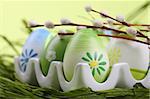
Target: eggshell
<point>33,47</point>
<point>86,47</point>
<point>133,53</point>
<point>54,50</point>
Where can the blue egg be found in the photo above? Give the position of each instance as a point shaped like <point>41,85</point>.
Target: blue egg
<point>33,46</point>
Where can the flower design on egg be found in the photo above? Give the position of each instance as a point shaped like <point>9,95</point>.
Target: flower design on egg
<point>96,64</point>
<point>114,54</point>
<point>26,55</point>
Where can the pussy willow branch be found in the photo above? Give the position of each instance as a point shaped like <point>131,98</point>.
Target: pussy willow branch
<point>63,34</point>
<point>9,43</point>
<point>131,24</point>
<point>121,37</point>
<point>145,30</point>
<point>90,26</point>
<point>122,22</point>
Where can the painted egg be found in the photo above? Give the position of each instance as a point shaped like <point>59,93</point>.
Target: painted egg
<point>54,51</point>
<point>33,47</point>
<point>86,47</point>
<point>133,53</point>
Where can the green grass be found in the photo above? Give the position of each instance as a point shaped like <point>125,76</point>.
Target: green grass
<point>15,89</point>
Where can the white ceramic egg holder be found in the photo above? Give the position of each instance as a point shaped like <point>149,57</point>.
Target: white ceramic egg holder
<point>120,76</point>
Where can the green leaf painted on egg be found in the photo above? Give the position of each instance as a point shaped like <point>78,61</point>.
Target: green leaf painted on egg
<point>102,63</point>
<point>89,56</point>
<point>93,71</point>
<point>102,68</point>
<point>85,59</point>
<point>98,71</point>
<point>95,56</point>
<point>100,57</point>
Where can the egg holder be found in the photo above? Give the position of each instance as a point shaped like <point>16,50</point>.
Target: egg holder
<point>120,76</point>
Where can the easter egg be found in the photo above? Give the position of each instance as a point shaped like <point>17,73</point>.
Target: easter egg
<point>133,53</point>
<point>86,47</point>
<point>54,51</point>
<point>33,47</point>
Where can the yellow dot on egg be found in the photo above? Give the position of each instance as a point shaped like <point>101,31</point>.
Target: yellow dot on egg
<point>93,63</point>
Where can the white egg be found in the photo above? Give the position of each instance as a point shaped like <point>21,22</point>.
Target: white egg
<point>133,53</point>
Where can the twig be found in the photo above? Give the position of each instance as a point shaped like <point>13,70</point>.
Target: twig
<point>124,23</point>
<point>121,37</point>
<point>145,30</point>
<point>131,24</point>
<point>88,26</point>
<point>126,38</point>
<point>63,34</point>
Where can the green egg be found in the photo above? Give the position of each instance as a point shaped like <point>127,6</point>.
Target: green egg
<point>86,47</point>
<point>54,51</point>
